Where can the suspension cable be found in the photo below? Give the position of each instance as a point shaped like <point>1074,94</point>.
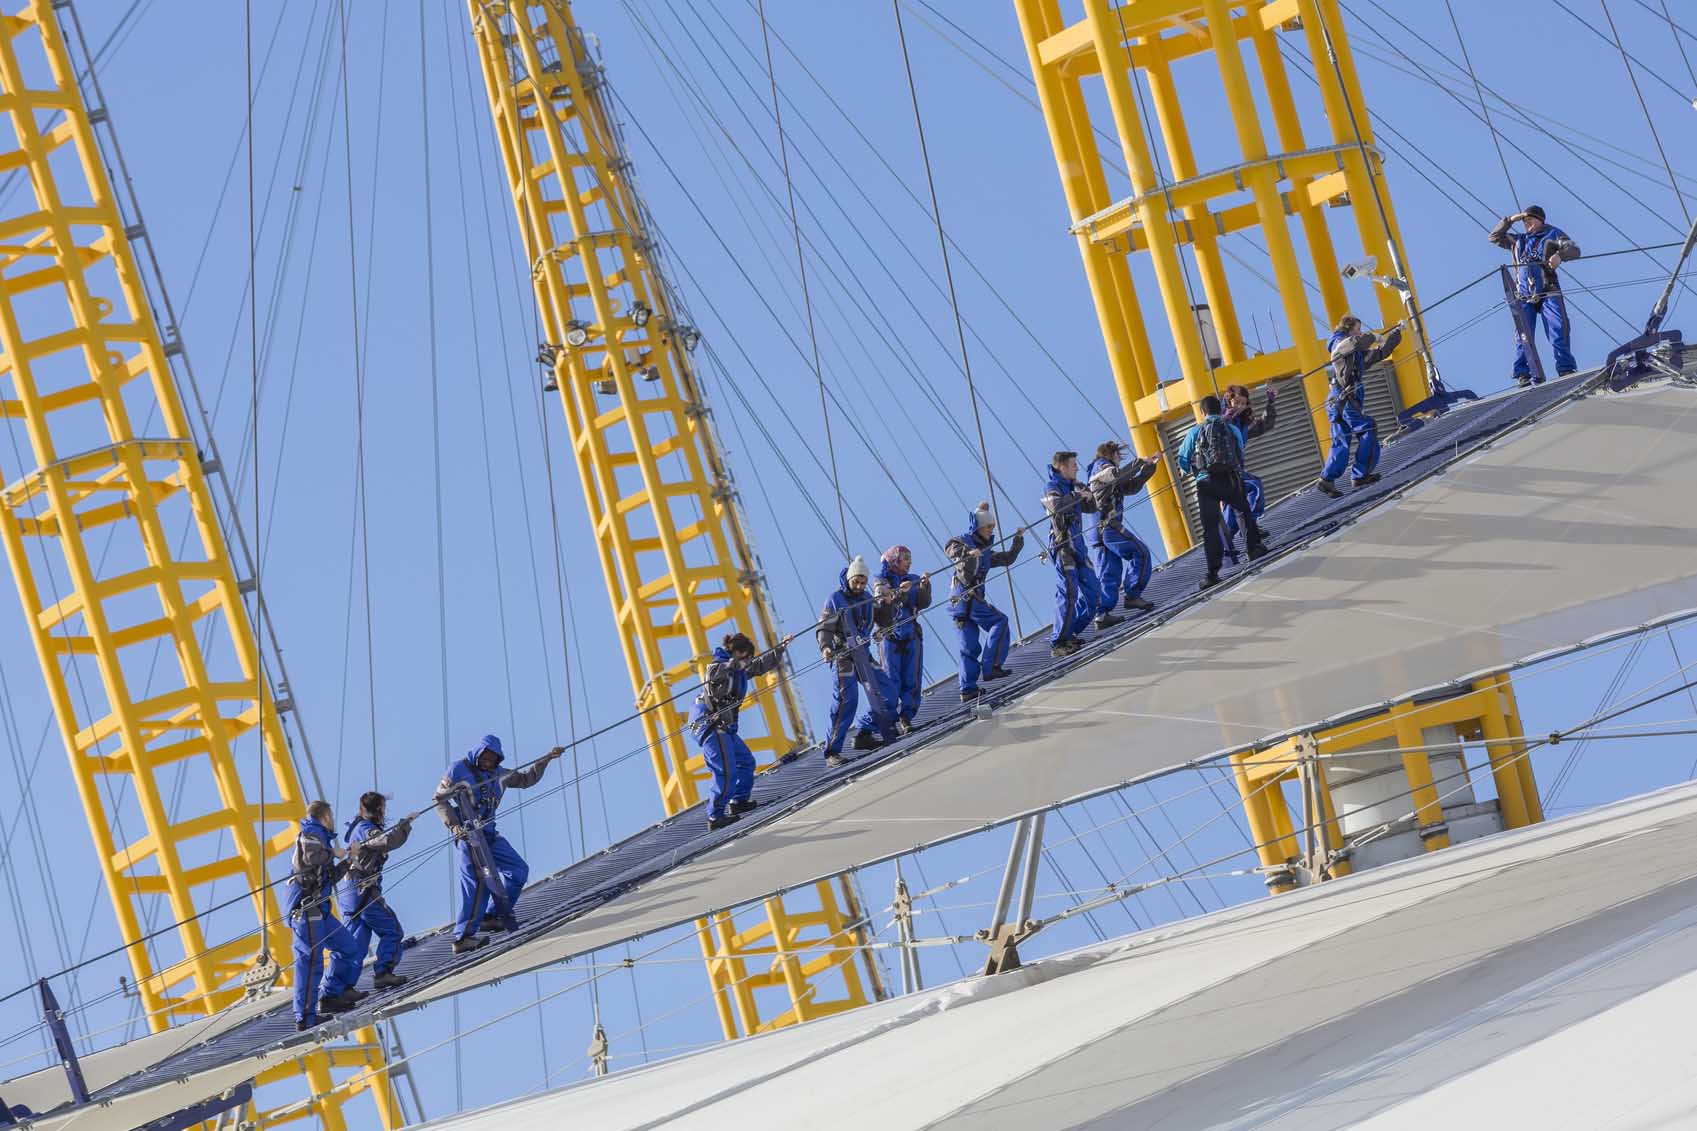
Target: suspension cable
<point>1632,74</point>
<point>954,299</point>
<point>1513,195</point>
<point>801,265</point>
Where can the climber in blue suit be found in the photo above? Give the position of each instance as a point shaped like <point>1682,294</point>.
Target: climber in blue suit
<point>907,594</point>
<point>314,868</point>
<point>466,800</point>
<point>360,896</point>
<point>714,722</point>
<point>1539,252</point>
<point>1353,352</point>
<point>1119,551</point>
<point>975,555</point>
<point>847,622</point>
<point>1078,594</point>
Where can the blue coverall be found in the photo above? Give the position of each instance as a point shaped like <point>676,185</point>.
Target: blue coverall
<point>714,721</point>
<point>1119,552</point>
<point>974,559</point>
<point>360,895</point>
<point>1078,594</point>
<point>469,794</point>
<point>904,642</point>
<point>1344,410</point>
<point>846,622</point>
<point>316,928</point>
<point>1539,291</point>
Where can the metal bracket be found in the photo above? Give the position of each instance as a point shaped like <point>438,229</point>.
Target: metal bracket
<point>1004,936</point>
<point>902,906</point>
<point>55,1018</point>
<point>598,1050</point>
<point>196,1114</point>
<point>260,979</point>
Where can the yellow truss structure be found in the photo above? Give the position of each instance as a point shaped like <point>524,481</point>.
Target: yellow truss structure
<point>677,560</point>
<point>1124,46</point>
<point>1143,40</point>
<point>134,606</point>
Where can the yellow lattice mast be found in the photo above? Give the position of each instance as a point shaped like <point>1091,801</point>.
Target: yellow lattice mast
<point>679,567</point>
<point>114,538</point>
<point>1129,58</point>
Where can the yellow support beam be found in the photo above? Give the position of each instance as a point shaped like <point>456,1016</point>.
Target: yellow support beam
<point>82,359</point>
<point>674,552</point>
<point>1176,214</point>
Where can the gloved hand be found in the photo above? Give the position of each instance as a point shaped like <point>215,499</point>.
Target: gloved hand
<point>1272,394</point>
<point>1553,261</point>
<point>555,754</point>
<point>828,654</point>
<point>404,824</point>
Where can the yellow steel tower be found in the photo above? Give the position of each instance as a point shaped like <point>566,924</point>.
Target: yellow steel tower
<point>677,560</point>
<point>133,603</point>
<point>1127,57</point>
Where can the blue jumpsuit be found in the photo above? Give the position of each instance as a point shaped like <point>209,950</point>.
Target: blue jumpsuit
<point>1119,552</point>
<point>1344,409</point>
<point>904,642</point>
<point>846,623</point>
<point>466,795</point>
<point>316,928</point>
<point>360,896</point>
<point>972,614</point>
<point>1539,292</point>
<point>714,722</point>
<point>1078,594</point>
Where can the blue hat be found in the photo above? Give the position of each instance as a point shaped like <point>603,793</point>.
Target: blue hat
<point>490,742</point>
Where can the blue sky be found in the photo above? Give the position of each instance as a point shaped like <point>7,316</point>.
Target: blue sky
<point>690,78</point>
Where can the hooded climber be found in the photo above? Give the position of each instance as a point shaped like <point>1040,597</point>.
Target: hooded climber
<point>466,800</point>
<point>314,868</point>
<point>1539,251</point>
<point>1354,351</point>
<point>360,896</point>
<point>907,594</point>
<point>714,721</point>
<point>847,621</point>
<point>1119,552</point>
<point>975,555</point>
<point>1078,594</point>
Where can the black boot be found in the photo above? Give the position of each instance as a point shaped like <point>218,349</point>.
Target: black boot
<point>335,1003</point>
<point>970,694</point>
<point>996,673</point>
<point>1327,487</point>
<point>738,808</point>
<point>1208,583</point>
<point>1108,620</point>
<point>1139,604</point>
<point>386,980</point>
<point>1368,480</point>
<point>305,1023</point>
<point>465,944</point>
<point>1258,551</point>
<point>864,739</point>
<point>721,821</point>
<point>832,761</point>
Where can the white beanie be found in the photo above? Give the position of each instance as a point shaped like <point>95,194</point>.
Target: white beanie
<point>857,568</point>
<point>982,518</point>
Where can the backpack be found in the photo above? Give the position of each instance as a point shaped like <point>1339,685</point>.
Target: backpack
<point>1216,450</point>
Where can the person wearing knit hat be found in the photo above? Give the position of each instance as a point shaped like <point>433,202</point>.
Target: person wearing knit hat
<point>1539,251</point>
<point>907,594</point>
<point>847,622</point>
<point>1354,351</point>
<point>1078,592</point>
<point>1120,553</point>
<point>975,555</point>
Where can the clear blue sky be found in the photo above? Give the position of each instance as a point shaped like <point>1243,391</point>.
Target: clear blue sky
<point>174,78</point>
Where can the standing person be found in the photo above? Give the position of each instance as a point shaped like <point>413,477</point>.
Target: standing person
<point>314,868</point>
<point>360,897</point>
<point>846,623</point>
<point>1538,252</point>
<point>1119,552</point>
<point>1213,454</point>
<point>974,556</point>
<point>1353,354</point>
<point>714,721</point>
<point>1078,594</point>
<point>1240,414</point>
<point>466,800</point>
<point>907,594</point>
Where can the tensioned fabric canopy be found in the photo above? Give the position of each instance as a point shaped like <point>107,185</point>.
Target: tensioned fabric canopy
<point>1518,528</point>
